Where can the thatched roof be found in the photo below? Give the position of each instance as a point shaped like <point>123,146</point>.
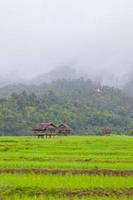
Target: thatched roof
<point>64,127</point>
<point>45,126</point>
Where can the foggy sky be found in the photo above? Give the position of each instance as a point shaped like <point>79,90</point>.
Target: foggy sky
<point>39,35</point>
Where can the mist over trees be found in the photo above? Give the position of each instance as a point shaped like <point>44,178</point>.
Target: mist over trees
<point>83,104</point>
<point>114,78</point>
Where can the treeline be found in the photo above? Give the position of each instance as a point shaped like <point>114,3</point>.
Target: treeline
<point>82,104</point>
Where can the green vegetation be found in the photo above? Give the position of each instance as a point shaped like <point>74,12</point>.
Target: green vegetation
<point>32,168</point>
<point>84,105</point>
<point>108,152</point>
<point>32,184</point>
<point>53,183</point>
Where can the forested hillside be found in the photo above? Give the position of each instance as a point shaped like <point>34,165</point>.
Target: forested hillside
<point>84,105</point>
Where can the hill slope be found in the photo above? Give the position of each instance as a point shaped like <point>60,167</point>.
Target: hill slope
<point>84,105</point>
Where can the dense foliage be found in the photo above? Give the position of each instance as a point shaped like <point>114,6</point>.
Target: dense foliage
<point>82,104</point>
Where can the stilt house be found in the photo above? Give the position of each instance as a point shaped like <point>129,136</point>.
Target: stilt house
<point>45,129</point>
<point>64,129</point>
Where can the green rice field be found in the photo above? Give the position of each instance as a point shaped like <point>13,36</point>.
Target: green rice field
<point>74,167</point>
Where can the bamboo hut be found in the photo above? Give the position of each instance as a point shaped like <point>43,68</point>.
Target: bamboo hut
<point>64,129</point>
<point>45,129</point>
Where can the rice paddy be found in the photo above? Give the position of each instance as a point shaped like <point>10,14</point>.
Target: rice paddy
<point>75,167</point>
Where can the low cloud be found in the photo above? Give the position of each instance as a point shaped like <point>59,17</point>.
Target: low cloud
<point>96,36</point>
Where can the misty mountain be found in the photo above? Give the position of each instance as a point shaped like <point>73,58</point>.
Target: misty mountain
<point>105,77</point>
<point>59,73</point>
<point>17,83</point>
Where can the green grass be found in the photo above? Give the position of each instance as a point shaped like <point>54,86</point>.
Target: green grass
<point>31,184</point>
<point>65,165</point>
<point>113,152</point>
<point>68,182</point>
<point>75,152</point>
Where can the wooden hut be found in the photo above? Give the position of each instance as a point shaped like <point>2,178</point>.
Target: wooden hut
<point>45,129</point>
<point>106,131</point>
<point>64,129</point>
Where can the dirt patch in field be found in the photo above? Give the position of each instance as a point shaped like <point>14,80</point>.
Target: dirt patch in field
<point>75,193</point>
<point>103,192</point>
<point>69,171</point>
<point>98,192</point>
